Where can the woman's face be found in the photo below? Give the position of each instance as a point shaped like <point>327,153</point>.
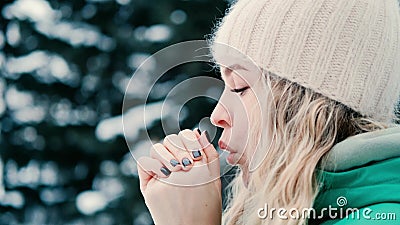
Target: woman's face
<point>237,104</point>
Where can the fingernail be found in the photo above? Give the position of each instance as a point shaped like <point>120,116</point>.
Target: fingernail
<point>198,131</point>
<point>165,171</point>
<point>196,154</point>
<point>186,162</point>
<point>174,162</point>
<point>207,136</point>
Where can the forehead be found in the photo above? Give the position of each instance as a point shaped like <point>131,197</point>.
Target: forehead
<point>240,69</point>
<point>234,64</point>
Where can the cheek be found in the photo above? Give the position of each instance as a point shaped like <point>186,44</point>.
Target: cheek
<point>253,122</point>
<point>242,115</point>
<point>243,122</point>
<point>240,132</point>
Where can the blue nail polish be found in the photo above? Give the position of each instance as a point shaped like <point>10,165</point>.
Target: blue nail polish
<point>174,162</point>
<point>186,162</point>
<point>196,154</point>
<point>165,171</point>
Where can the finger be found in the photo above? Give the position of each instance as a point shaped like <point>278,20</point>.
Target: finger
<point>211,154</point>
<point>192,144</point>
<point>148,168</point>
<point>174,145</point>
<point>158,151</point>
<point>204,156</point>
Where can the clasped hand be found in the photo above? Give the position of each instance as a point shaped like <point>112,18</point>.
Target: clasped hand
<point>180,180</point>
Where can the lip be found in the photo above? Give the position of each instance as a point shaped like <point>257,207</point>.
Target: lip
<point>224,146</point>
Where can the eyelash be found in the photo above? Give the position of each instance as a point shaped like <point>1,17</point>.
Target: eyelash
<point>240,90</point>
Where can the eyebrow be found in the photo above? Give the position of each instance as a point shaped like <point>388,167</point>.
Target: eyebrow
<point>237,67</point>
<point>234,67</point>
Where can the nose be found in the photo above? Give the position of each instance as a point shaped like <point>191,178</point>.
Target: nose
<point>220,116</point>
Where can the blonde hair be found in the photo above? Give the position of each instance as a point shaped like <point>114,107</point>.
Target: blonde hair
<point>300,127</point>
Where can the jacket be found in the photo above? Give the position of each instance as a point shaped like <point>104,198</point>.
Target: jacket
<point>361,181</point>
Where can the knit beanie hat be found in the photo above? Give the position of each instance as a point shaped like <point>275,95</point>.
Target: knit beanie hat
<point>347,50</point>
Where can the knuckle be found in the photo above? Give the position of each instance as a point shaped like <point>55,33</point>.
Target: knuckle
<point>187,135</point>
<point>158,147</point>
<point>169,138</point>
<point>140,160</point>
<point>185,131</point>
<point>175,145</point>
<point>155,149</point>
<point>153,153</point>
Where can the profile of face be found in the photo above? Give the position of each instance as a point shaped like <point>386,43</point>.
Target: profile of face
<point>238,110</point>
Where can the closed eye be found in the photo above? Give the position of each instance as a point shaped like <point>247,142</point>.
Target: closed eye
<point>239,90</point>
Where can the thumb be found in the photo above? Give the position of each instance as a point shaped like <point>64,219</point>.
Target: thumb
<point>211,153</point>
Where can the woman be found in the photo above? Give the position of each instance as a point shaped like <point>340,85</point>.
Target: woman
<point>308,116</point>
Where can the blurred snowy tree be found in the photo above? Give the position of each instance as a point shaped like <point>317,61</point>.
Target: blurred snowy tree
<point>64,66</point>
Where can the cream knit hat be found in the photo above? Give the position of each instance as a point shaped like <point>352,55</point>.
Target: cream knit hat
<point>347,50</point>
